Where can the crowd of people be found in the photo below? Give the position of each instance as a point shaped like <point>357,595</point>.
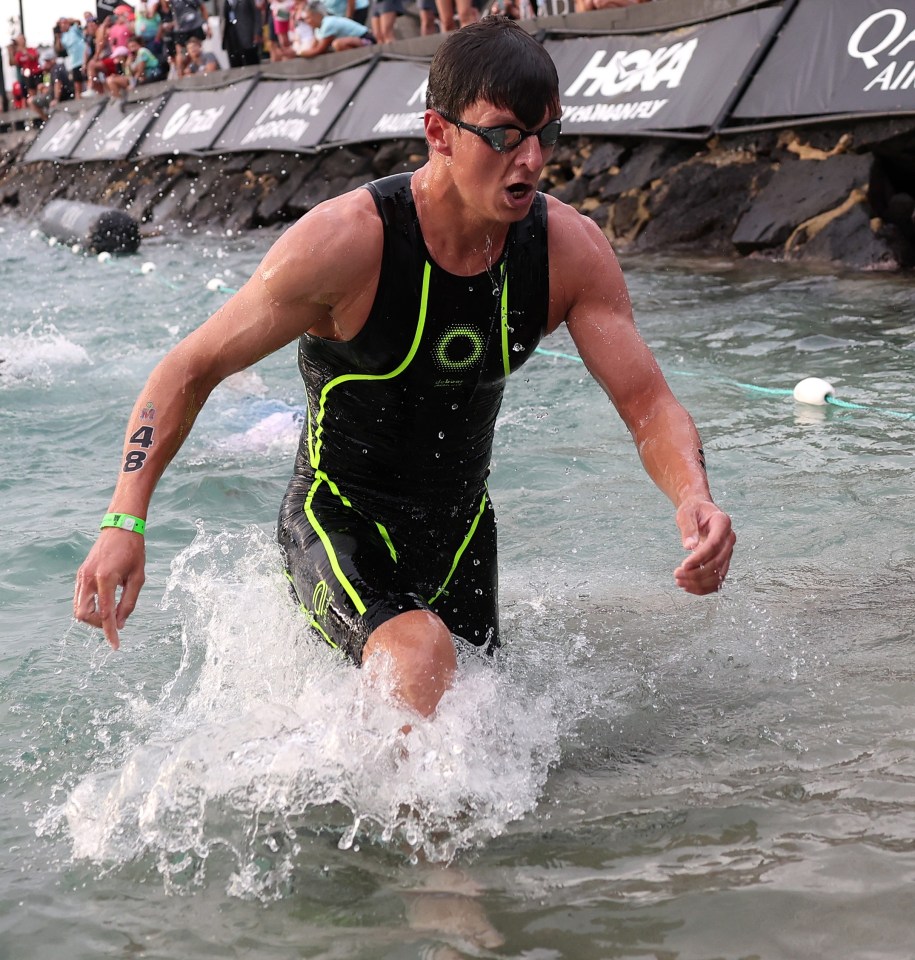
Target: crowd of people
<point>136,44</point>
<point>149,40</point>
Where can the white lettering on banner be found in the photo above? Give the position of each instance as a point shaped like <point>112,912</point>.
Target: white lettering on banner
<point>888,79</point>
<point>306,99</point>
<point>613,112</point>
<point>885,28</point>
<point>398,122</point>
<point>113,141</point>
<point>61,140</point>
<point>187,120</point>
<point>293,130</point>
<point>629,70</point>
<point>419,95</point>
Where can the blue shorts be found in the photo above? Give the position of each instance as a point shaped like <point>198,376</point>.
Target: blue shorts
<point>352,569</point>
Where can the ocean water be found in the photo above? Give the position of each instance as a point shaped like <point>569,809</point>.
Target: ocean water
<point>638,773</point>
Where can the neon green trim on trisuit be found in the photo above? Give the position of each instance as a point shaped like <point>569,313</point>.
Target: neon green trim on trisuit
<point>504,321</point>
<point>311,620</point>
<point>460,551</point>
<point>314,448</point>
<point>382,529</point>
<point>329,548</point>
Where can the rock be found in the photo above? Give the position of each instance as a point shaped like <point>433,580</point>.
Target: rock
<point>647,162</point>
<point>850,239</point>
<point>573,191</point>
<point>603,156</point>
<point>701,202</point>
<point>272,207</point>
<point>799,190</point>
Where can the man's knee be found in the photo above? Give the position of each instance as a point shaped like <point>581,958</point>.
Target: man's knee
<point>421,650</point>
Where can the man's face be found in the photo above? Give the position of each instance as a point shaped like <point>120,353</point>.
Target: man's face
<point>501,185</point>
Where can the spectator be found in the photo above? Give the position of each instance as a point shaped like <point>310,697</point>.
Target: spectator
<point>120,26</point>
<point>466,13</point>
<point>357,10</point>
<point>281,12</point>
<point>384,15</point>
<point>427,11</point>
<point>242,31</point>
<point>20,101</point>
<point>147,25</point>
<point>55,88</point>
<point>70,41</point>
<point>26,61</point>
<point>137,67</point>
<point>197,61</point>
<point>334,33</point>
<point>189,19</point>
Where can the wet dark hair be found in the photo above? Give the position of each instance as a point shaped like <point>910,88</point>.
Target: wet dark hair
<point>497,61</point>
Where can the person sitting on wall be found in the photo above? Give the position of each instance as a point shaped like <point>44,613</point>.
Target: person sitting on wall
<point>188,18</point>
<point>137,66</point>
<point>334,33</point>
<point>55,88</point>
<point>197,61</point>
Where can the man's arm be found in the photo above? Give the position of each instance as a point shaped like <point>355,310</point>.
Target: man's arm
<point>317,47</point>
<point>590,294</point>
<point>320,276</point>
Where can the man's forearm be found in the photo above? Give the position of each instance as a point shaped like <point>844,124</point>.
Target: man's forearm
<point>671,452</point>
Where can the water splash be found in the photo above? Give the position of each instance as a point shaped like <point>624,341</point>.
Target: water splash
<point>263,734</point>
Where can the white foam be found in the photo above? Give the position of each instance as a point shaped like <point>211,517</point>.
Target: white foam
<point>37,354</point>
<point>264,726</point>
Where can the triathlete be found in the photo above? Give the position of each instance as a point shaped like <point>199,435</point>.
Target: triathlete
<point>413,300</point>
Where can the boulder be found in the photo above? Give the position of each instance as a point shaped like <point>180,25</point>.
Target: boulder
<point>603,157</point>
<point>700,203</point>
<point>799,190</point>
<point>850,239</point>
<point>647,162</point>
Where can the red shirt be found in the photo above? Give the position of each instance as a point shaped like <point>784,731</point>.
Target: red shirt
<point>27,61</point>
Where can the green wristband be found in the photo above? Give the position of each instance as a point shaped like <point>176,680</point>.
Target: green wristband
<point>125,521</point>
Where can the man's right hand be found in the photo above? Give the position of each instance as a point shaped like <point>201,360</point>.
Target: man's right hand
<point>117,560</point>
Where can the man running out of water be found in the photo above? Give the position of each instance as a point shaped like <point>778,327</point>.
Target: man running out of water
<point>413,300</point>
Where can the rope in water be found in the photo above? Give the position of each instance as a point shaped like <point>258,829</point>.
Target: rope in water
<point>825,397</point>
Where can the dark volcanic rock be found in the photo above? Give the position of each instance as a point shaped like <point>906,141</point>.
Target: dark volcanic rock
<point>850,239</point>
<point>799,190</point>
<point>604,156</point>
<point>701,202</point>
<point>647,162</point>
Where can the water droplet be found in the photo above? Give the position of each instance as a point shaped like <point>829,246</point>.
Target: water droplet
<point>517,348</point>
<point>454,406</point>
<point>441,434</point>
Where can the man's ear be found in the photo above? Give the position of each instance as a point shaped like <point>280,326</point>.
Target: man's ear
<point>437,133</point>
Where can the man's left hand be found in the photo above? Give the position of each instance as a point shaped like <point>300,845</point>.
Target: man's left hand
<point>707,534</point>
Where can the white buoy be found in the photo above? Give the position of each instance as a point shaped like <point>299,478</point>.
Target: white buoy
<point>214,283</point>
<point>104,256</point>
<point>148,267</point>
<point>814,391</point>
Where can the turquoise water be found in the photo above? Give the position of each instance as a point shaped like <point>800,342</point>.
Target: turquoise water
<point>639,773</point>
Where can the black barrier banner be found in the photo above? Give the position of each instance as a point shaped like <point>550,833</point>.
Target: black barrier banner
<point>116,130</point>
<point>389,106</point>
<point>290,114</point>
<point>663,81</point>
<point>853,56</point>
<point>60,134</point>
<point>191,120</point>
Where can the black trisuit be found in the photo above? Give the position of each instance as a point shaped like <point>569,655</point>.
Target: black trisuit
<point>388,509</point>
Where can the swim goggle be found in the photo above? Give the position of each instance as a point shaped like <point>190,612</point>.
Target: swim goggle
<point>507,137</point>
